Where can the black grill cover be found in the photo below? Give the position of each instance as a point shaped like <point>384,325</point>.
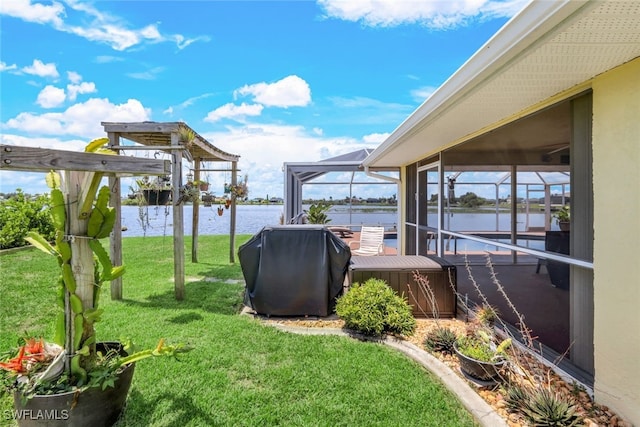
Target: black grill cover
<point>294,270</point>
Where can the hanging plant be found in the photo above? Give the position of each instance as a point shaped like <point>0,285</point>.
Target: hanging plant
<point>189,193</point>
<point>241,189</point>
<point>227,188</point>
<point>220,210</point>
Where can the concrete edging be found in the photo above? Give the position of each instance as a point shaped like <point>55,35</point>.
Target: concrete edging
<point>476,405</point>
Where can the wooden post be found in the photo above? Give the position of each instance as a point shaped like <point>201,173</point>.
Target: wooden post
<point>81,254</point>
<point>232,221</point>
<point>116,235</point>
<point>196,214</point>
<point>178,220</point>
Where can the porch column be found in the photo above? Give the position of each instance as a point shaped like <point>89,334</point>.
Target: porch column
<point>581,243</point>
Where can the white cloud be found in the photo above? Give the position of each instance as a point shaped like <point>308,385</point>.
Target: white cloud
<point>5,67</point>
<point>105,59</point>
<point>74,77</point>
<point>81,120</point>
<point>93,24</point>
<point>292,91</point>
<point>185,104</point>
<point>75,89</point>
<point>40,142</point>
<point>51,97</point>
<point>423,93</point>
<point>432,14</point>
<point>147,75</point>
<point>264,148</point>
<point>234,112</point>
<point>375,138</point>
<point>39,68</point>
<point>39,13</point>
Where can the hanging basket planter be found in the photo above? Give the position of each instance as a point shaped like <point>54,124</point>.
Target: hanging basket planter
<point>227,203</point>
<point>204,186</point>
<point>207,199</point>
<point>156,197</point>
<point>220,210</point>
<point>227,188</point>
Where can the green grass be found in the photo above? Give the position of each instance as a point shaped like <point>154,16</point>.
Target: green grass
<point>241,373</point>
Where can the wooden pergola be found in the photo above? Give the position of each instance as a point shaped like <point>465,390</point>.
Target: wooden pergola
<point>164,136</point>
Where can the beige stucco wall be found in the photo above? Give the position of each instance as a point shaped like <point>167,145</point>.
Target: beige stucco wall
<point>616,184</point>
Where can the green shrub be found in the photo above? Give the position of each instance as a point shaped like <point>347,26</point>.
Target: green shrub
<point>373,308</point>
<point>20,214</point>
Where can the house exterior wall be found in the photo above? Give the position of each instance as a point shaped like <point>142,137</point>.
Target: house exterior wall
<point>616,178</point>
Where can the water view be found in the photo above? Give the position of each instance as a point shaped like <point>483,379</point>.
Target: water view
<point>251,218</point>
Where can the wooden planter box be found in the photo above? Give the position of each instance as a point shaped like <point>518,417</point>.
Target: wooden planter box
<point>397,271</point>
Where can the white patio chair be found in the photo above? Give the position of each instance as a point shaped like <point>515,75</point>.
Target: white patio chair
<point>371,242</point>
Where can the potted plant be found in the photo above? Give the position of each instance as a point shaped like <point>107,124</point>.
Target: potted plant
<point>317,214</point>
<point>76,379</point>
<point>480,356</point>
<point>207,199</point>
<point>156,192</point>
<point>563,218</point>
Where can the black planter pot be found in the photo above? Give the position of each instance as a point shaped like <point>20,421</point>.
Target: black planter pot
<point>485,371</point>
<point>93,407</point>
<point>156,197</point>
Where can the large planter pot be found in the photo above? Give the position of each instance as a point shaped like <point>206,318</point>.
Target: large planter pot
<point>485,371</point>
<point>93,407</point>
<point>156,197</point>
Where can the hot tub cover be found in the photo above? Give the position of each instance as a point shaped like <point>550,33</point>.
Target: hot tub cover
<point>294,270</point>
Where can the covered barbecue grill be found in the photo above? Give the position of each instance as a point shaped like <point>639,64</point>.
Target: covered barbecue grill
<point>294,270</point>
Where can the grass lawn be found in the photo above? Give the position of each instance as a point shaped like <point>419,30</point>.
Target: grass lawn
<point>241,373</point>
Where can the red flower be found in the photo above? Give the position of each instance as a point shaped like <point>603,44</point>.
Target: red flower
<point>32,351</point>
<point>16,364</point>
<point>35,350</point>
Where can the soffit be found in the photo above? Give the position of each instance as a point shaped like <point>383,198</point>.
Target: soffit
<point>596,38</point>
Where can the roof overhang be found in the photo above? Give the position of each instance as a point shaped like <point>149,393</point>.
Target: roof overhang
<point>549,48</point>
<point>350,162</point>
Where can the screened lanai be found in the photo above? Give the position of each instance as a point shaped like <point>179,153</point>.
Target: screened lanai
<point>298,174</point>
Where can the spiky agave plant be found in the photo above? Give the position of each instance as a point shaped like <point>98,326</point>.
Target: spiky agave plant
<point>440,339</point>
<point>516,397</point>
<point>548,408</point>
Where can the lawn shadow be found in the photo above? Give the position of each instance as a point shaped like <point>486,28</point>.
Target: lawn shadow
<point>186,318</point>
<point>212,297</point>
<point>179,407</point>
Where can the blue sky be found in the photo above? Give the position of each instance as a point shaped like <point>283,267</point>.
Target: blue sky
<point>272,81</point>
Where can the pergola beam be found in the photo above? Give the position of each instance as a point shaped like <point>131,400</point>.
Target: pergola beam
<point>44,159</point>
